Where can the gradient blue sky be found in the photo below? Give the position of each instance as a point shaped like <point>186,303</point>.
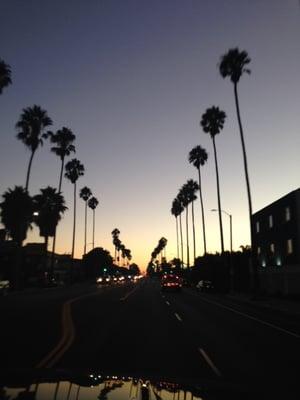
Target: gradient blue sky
<point>132,78</point>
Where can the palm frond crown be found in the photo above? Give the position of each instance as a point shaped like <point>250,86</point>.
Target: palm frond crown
<point>198,156</point>
<point>74,169</point>
<point>233,64</point>
<point>5,75</point>
<point>213,120</point>
<point>63,140</point>
<point>85,193</point>
<point>31,126</point>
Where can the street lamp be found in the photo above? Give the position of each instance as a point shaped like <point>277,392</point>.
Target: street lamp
<point>230,224</point>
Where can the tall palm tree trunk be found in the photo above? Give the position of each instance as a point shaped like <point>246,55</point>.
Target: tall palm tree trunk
<point>85,227</point>
<point>54,238</point>
<point>177,237</point>
<point>93,228</point>
<point>29,169</point>
<point>219,198</point>
<point>253,265</point>
<point>194,235</point>
<point>46,253</point>
<point>61,174</point>
<point>202,210</point>
<point>187,237</point>
<point>181,239</point>
<point>74,222</point>
<point>115,253</point>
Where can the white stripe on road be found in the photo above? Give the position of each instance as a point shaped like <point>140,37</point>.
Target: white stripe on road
<point>167,303</point>
<point>250,317</point>
<point>178,317</point>
<point>209,362</point>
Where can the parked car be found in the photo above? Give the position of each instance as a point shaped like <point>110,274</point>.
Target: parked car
<point>204,286</point>
<point>4,287</point>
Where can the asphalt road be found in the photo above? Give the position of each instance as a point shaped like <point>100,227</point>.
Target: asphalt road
<point>136,329</point>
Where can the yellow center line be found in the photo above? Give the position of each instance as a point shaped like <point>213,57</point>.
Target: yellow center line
<point>68,334</point>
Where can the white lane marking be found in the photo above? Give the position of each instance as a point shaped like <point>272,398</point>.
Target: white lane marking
<point>178,317</point>
<point>129,293</point>
<point>209,362</point>
<point>250,317</point>
<point>167,303</point>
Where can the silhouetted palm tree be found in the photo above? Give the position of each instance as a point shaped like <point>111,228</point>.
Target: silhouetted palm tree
<point>175,210</point>
<point>74,169</point>
<point>63,140</point>
<point>93,202</point>
<point>212,122</point>
<point>122,250</point>
<point>16,216</point>
<point>31,131</point>
<point>5,75</point>
<point>49,205</point>
<point>85,194</point>
<point>115,234</point>
<point>183,197</point>
<point>198,157</point>
<point>233,64</point>
<point>193,187</point>
<point>128,255</point>
<point>63,146</point>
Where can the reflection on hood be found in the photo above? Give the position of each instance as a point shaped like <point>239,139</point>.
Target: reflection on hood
<point>62,385</point>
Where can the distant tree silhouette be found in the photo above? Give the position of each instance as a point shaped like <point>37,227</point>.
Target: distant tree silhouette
<point>50,205</point>
<point>74,169</point>
<point>158,249</point>
<point>96,260</point>
<point>134,269</point>
<point>115,234</point>
<point>198,157</point>
<point>16,216</point>
<point>233,64</point>
<point>5,75</point>
<point>63,146</point>
<point>128,256</point>
<point>85,194</point>
<point>31,131</point>
<point>192,188</point>
<point>93,203</point>
<point>183,197</point>
<point>212,122</point>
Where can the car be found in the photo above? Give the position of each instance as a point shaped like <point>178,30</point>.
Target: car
<point>4,287</point>
<point>104,280</point>
<point>204,286</point>
<point>171,282</point>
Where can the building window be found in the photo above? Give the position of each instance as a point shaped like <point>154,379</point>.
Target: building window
<point>272,248</point>
<point>270,221</point>
<point>290,246</point>
<point>257,226</point>
<point>258,250</point>
<point>287,213</point>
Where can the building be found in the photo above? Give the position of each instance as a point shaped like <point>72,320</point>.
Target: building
<point>276,244</point>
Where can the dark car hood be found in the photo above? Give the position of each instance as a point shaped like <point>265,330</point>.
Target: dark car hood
<point>69,385</point>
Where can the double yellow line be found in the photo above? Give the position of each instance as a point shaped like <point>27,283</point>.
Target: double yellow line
<point>68,331</point>
<point>68,334</point>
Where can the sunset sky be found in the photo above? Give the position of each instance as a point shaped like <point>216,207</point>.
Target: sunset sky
<point>132,78</point>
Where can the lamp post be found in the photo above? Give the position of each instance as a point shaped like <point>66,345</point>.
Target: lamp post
<point>230,225</point>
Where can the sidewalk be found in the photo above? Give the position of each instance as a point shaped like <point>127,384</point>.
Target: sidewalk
<point>286,306</point>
